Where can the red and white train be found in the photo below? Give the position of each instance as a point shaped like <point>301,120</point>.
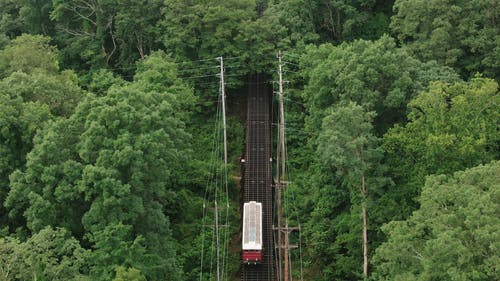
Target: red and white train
<point>252,233</point>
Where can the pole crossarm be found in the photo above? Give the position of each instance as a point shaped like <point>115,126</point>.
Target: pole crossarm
<point>289,228</point>
<point>290,246</point>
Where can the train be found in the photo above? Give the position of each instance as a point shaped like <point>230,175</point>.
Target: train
<point>252,233</point>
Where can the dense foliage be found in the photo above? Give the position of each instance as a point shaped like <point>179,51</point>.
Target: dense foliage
<point>107,115</point>
<point>453,236</point>
<point>463,34</point>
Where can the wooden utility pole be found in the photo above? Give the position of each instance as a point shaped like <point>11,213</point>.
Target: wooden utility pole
<point>223,97</point>
<point>217,234</point>
<point>283,255</point>
<point>284,262</point>
<point>278,176</point>
<point>283,161</point>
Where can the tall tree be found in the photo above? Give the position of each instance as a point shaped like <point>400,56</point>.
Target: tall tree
<point>33,92</point>
<point>454,234</point>
<point>19,123</point>
<point>347,144</point>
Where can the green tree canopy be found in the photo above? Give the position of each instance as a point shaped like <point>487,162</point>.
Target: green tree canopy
<point>459,33</point>
<point>128,274</point>
<point>453,236</point>
<point>347,144</point>
<point>334,21</point>
<point>451,127</point>
<point>376,75</point>
<point>106,33</point>
<point>118,156</point>
<point>380,78</point>
<point>51,254</point>
<point>60,91</point>
<point>108,173</point>
<point>32,92</point>
<point>29,54</point>
<point>205,30</point>
<point>19,122</point>
<point>10,23</point>
<point>29,69</point>
<point>24,16</point>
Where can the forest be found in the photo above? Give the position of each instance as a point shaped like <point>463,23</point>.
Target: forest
<point>107,116</point>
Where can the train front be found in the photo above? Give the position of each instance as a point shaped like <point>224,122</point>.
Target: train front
<point>252,233</point>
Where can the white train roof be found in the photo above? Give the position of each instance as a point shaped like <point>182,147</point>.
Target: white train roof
<point>252,226</point>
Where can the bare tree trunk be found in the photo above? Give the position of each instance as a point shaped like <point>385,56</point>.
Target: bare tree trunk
<point>365,228</point>
<point>109,27</point>
<point>332,22</point>
<point>339,27</point>
<point>140,46</point>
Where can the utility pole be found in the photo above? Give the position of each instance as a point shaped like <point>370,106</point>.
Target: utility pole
<point>217,234</point>
<point>284,261</point>
<point>278,179</point>
<point>281,178</point>
<point>282,181</point>
<point>223,97</point>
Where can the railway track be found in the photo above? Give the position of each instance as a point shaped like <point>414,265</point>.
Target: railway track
<point>257,183</point>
